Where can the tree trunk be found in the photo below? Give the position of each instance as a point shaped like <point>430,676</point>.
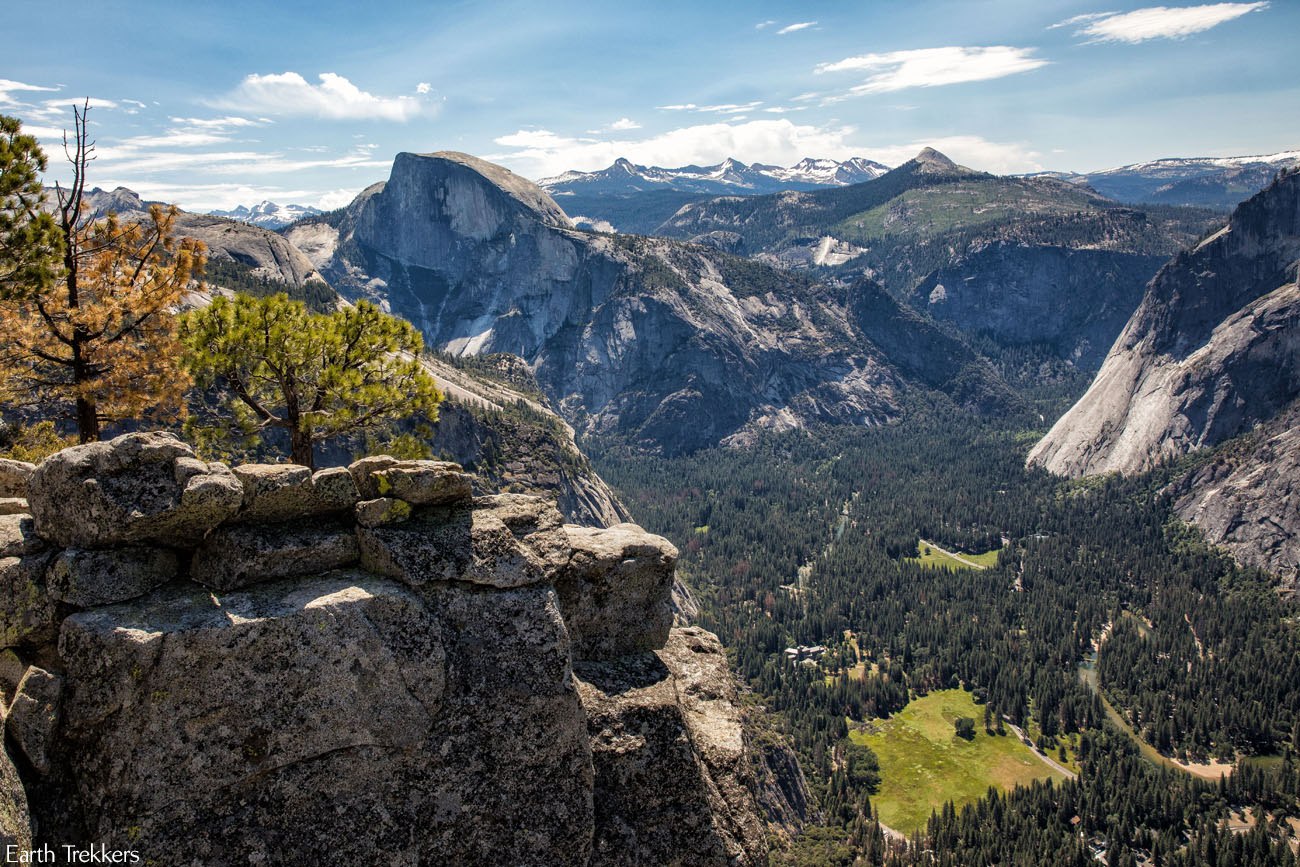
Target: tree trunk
<point>87,421</point>
<point>300,448</point>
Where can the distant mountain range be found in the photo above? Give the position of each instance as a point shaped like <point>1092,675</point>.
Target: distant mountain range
<point>1211,182</point>
<point>730,176</point>
<point>268,215</point>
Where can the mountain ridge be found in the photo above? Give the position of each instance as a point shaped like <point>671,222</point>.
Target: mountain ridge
<point>731,175</point>
<point>268,214</point>
<point>674,346</point>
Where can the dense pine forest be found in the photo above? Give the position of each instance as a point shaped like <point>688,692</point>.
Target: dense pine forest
<point>811,538</point>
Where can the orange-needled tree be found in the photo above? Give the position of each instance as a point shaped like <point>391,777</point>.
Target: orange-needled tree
<point>98,342</point>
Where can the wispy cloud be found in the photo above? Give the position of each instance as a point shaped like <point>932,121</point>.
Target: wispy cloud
<point>763,25</point>
<point>334,98</point>
<point>1156,22</point>
<point>933,67</point>
<point>541,153</point>
<point>8,88</point>
<point>725,108</point>
<point>795,28</point>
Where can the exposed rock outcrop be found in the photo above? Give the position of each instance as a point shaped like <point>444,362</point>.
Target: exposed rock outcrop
<point>666,734</point>
<point>1247,498</point>
<point>496,421</point>
<point>1075,300</point>
<point>420,708</point>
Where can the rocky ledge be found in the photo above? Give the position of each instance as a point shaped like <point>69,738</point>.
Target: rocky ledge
<point>261,664</point>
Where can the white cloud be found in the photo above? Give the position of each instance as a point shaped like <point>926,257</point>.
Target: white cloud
<point>764,24</point>
<point>79,102</point>
<point>724,108</point>
<point>423,87</point>
<point>8,87</point>
<point>1079,19</point>
<point>201,198</point>
<point>218,122</point>
<point>335,98</point>
<point>970,150</point>
<point>1158,22</point>
<point>623,124</point>
<point>541,153</point>
<point>337,198</point>
<point>795,28</point>
<point>933,67</point>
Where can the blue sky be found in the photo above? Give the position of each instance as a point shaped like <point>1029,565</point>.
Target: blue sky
<point>212,104</point>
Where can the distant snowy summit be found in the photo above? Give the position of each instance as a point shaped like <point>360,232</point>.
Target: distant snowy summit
<point>269,215</point>
<point>1214,182</point>
<point>732,176</point>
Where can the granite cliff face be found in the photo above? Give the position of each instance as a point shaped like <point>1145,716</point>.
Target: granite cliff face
<point>676,346</point>
<point>1074,300</point>
<point>1212,352</point>
<point>263,664</point>
<point>1247,498</point>
<point>496,421</point>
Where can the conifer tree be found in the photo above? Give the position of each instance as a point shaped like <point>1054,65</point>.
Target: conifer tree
<point>275,365</point>
<point>98,342</point>
<point>29,239</point>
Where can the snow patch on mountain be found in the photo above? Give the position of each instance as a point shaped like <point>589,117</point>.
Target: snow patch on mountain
<point>729,176</point>
<point>269,215</point>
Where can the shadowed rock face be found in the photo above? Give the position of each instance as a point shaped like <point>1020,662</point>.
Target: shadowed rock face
<point>419,708</point>
<point>1212,350</point>
<point>1075,300</point>
<point>677,346</point>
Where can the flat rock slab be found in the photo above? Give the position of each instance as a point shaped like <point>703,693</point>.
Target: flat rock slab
<point>420,483</point>
<point>276,723</point>
<point>141,487</point>
<point>18,536</point>
<point>503,544</point>
<point>14,476</point>
<point>13,506</point>
<point>244,554</point>
<point>281,492</point>
<point>88,578</point>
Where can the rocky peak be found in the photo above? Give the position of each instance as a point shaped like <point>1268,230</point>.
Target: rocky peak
<point>930,160</point>
<point>258,664</point>
<point>451,174</point>
<point>628,336</point>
